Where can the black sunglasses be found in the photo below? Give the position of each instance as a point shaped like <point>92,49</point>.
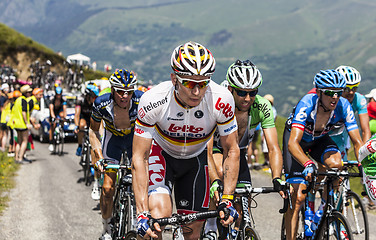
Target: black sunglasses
<point>242,93</point>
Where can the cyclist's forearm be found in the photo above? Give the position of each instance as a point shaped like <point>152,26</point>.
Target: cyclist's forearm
<point>140,183</point>
<point>230,171</point>
<point>276,162</point>
<point>95,142</point>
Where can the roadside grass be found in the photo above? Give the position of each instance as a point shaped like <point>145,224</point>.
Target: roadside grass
<point>8,170</point>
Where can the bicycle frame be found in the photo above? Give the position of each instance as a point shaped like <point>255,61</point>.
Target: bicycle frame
<point>330,207</point>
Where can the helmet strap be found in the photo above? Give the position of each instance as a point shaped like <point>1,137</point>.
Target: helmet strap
<point>322,105</point>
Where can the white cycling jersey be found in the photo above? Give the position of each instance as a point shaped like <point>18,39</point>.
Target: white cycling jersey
<point>183,132</point>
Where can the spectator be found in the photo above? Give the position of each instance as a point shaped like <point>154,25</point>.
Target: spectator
<point>371,95</point>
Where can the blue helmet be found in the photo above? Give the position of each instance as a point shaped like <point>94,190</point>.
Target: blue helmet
<point>123,78</point>
<point>92,89</point>
<point>329,78</point>
<point>58,90</point>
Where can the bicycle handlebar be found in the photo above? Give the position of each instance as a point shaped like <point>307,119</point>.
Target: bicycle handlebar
<point>330,173</point>
<point>182,219</point>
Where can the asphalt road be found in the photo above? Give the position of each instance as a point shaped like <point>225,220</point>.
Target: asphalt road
<point>51,202</point>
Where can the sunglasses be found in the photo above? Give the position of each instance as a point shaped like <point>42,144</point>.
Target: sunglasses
<point>189,83</point>
<point>332,93</point>
<point>351,88</point>
<point>122,92</point>
<point>242,93</point>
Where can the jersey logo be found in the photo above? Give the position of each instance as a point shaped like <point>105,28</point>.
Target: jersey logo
<point>141,113</point>
<point>301,115</point>
<point>185,128</point>
<point>226,108</point>
<point>350,115</point>
<point>263,108</point>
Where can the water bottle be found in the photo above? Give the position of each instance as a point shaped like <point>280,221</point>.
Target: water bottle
<point>308,232</point>
<point>316,219</point>
<point>367,149</point>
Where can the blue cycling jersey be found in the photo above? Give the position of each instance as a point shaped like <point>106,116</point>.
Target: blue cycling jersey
<point>103,108</point>
<point>340,136</point>
<point>304,117</point>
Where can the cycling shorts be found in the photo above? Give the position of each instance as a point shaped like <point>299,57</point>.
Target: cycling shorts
<point>244,173</point>
<point>188,177</point>
<point>316,150</point>
<point>114,146</point>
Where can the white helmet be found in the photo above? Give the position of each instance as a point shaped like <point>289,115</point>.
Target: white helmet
<point>244,74</point>
<point>351,75</point>
<point>192,59</point>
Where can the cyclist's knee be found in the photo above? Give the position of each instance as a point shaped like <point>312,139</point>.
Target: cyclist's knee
<point>108,190</point>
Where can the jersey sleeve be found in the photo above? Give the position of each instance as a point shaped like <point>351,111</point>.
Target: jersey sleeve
<point>267,116</point>
<point>96,114</point>
<point>362,104</point>
<point>224,110</point>
<point>300,116</point>
<point>349,116</point>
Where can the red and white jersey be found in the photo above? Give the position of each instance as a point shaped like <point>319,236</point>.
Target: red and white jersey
<point>183,132</point>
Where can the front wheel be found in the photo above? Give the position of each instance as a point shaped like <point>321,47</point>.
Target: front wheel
<point>356,215</point>
<point>250,234</point>
<point>132,235</point>
<point>335,226</point>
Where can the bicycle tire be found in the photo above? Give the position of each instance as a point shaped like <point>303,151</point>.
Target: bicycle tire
<point>61,151</point>
<point>132,235</point>
<point>356,215</point>
<point>339,227</point>
<point>116,214</point>
<point>249,233</point>
<point>86,166</point>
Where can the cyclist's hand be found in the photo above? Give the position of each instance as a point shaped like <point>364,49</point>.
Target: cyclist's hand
<point>227,212</point>
<point>280,186</point>
<point>143,227</point>
<point>214,193</point>
<point>310,167</point>
<point>99,165</point>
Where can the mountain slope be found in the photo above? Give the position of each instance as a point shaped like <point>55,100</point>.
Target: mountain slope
<point>290,41</point>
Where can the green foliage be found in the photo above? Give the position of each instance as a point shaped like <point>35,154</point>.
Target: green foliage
<point>7,171</point>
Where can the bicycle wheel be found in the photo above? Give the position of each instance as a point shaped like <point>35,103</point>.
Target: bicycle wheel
<point>132,235</point>
<point>86,166</point>
<point>300,232</point>
<point>61,147</point>
<point>250,234</point>
<point>131,218</point>
<point>356,215</point>
<point>339,227</point>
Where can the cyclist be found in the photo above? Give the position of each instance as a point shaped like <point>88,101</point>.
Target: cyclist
<point>359,105</point>
<point>175,120</point>
<point>58,108</point>
<point>21,122</point>
<point>244,80</point>
<point>118,110</point>
<point>367,156</point>
<point>82,114</point>
<point>306,131</point>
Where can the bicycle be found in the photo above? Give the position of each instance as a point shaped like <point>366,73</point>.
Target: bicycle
<point>333,224</point>
<point>243,197</point>
<point>85,160</point>
<point>58,137</point>
<point>124,208</point>
<point>351,206</point>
